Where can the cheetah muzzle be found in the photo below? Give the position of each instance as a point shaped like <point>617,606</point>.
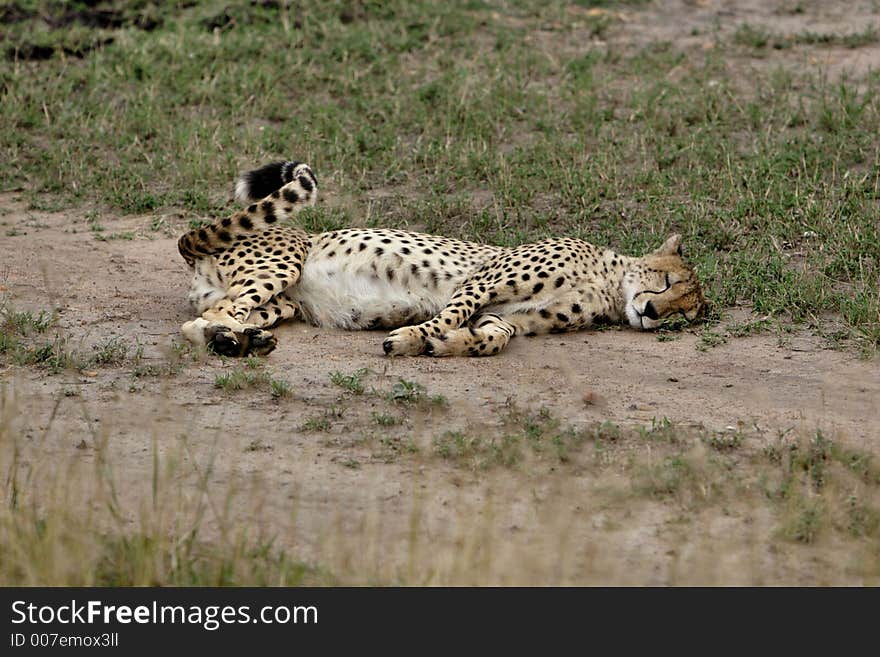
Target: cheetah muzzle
<point>438,296</point>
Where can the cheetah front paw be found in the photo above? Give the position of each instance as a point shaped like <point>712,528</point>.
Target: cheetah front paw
<point>406,341</point>
<point>251,341</point>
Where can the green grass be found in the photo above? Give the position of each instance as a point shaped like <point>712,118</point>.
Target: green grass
<point>353,382</point>
<point>316,423</point>
<point>503,122</point>
<point>471,128</point>
<point>759,38</point>
<point>26,339</point>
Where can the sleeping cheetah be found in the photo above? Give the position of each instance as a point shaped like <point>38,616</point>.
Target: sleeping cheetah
<point>443,297</point>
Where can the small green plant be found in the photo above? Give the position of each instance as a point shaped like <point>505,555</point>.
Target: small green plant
<point>54,356</point>
<point>385,420</point>
<point>753,37</point>
<point>709,339</point>
<point>239,379</point>
<point>723,441</point>
<point>316,423</point>
<point>804,522</point>
<point>127,236</point>
<point>111,351</point>
<point>671,477</point>
<point>279,388</point>
<point>406,392</point>
<point>26,323</point>
<point>353,383</point>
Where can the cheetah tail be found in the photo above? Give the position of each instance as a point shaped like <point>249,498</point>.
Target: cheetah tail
<point>259,183</point>
<point>281,204</point>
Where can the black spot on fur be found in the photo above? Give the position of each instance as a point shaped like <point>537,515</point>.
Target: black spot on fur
<point>269,212</point>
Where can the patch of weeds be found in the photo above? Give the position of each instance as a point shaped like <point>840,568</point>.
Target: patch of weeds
<point>859,463</point>
<point>353,383</point>
<point>756,37</point>
<point>316,423</point>
<point>92,217</point>
<point>750,327</point>
<point>861,519</point>
<point>663,430</point>
<point>321,219</point>
<point>479,452</point>
<point>723,441</point>
<point>866,37</point>
<point>606,431</point>
<point>393,446</point>
<point>673,477</point>
<point>279,388</point>
<point>195,224</point>
<point>25,323</point>
<point>152,370</point>
<point>386,420</point>
<point>127,236</point>
<point>406,392</point>
<point>709,339</point>
<point>811,459</point>
<point>804,521</point>
<point>113,351</point>
<point>54,356</point>
<point>239,379</point>
<point>522,434</point>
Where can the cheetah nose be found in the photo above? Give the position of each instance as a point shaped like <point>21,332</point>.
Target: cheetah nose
<point>650,311</point>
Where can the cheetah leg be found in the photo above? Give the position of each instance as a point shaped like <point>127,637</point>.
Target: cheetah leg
<point>569,313</point>
<point>275,311</point>
<point>412,340</point>
<point>234,325</point>
<point>487,335</point>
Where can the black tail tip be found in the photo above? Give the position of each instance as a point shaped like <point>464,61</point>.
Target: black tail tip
<point>259,183</point>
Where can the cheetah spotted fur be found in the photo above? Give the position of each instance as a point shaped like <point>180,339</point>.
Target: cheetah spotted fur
<point>442,297</point>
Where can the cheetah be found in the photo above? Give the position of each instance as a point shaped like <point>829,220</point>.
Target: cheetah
<point>438,296</point>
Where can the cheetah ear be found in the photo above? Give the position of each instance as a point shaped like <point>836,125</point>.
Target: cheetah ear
<point>671,246</point>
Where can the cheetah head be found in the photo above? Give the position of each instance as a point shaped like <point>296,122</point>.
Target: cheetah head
<point>660,285</point>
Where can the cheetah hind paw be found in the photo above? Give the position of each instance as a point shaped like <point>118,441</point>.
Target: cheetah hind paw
<point>236,344</point>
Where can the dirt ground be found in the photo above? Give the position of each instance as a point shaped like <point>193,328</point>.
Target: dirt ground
<point>306,484</point>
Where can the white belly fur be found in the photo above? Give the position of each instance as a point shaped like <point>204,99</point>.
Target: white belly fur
<point>350,295</point>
